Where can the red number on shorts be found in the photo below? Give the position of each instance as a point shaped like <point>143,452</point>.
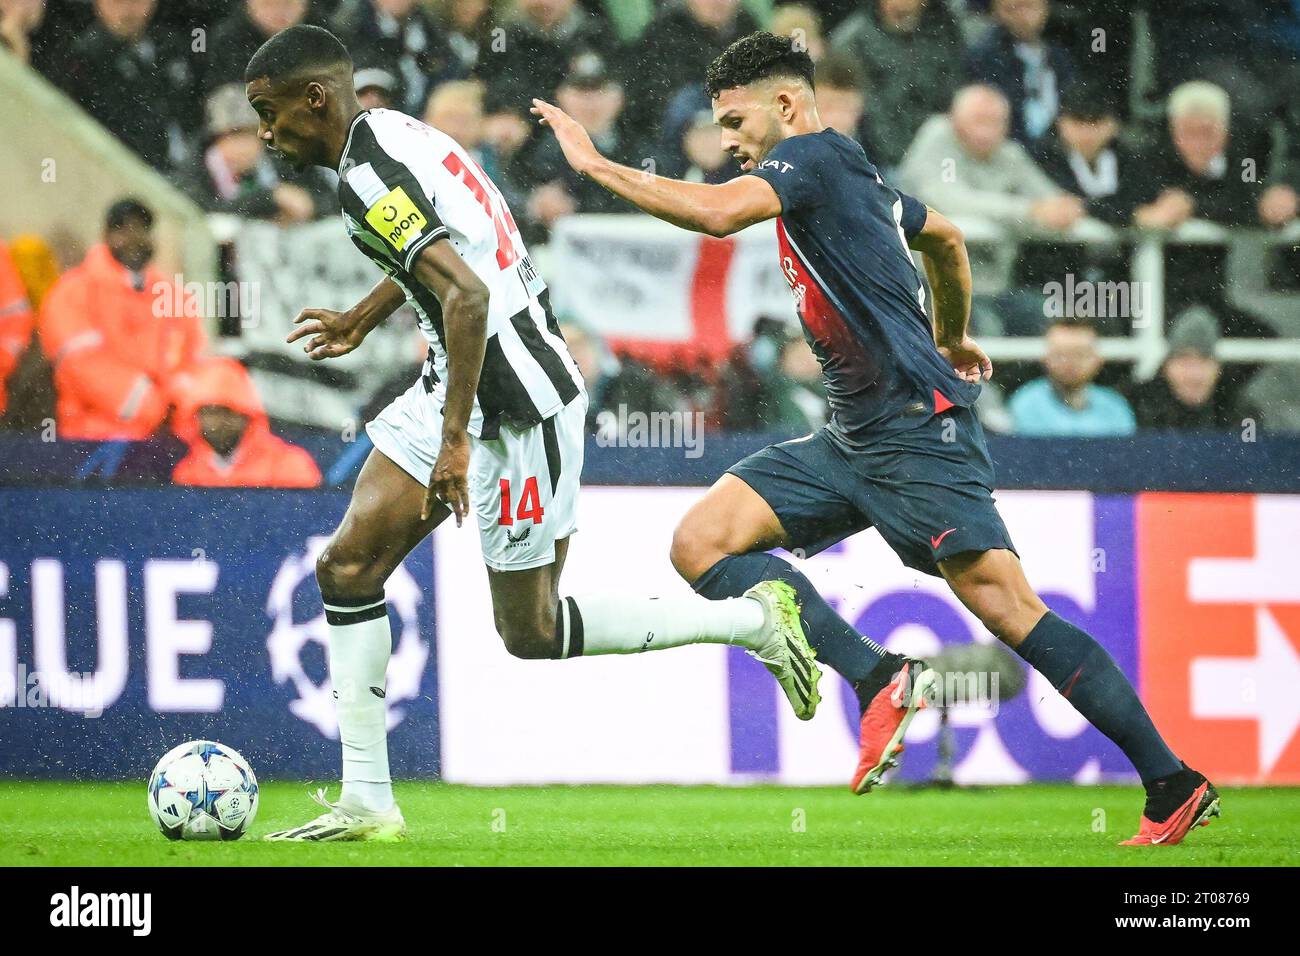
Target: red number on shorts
<point>526,510</point>
<point>506,254</point>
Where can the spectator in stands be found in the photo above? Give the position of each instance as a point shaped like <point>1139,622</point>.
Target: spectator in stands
<point>537,51</point>
<point>802,25</point>
<point>135,79</point>
<point>376,88</point>
<point>1188,391</point>
<point>910,53</point>
<point>1206,172</point>
<point>19,19</point>
<point>1028,69</point>
<point>467,25</point>
<point>772,383</point>
<point>613,382</point>
<point>595,99</point>
<point>675,50</point>
<point>111,332</point>
<point>235,174</point>
<point>964,165</point>
<point>402,37</point>
<point>841,103</point>
<point>220,417</point>
<point>683,127</point>
<point>701,148</point>
<point>1232,42</point>
<point>1067,402</point>
<point>236,38</point>
<point>456,108</point>
<point>1084,158</point>
<point>15,322</point>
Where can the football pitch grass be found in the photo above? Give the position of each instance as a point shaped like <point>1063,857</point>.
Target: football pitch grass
<point>107,824</point>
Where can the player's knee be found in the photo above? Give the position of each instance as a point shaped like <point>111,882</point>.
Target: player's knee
<point>530,638</point>
<point>341,570</point>
<point>1007,615</point>
<point>695,548</point>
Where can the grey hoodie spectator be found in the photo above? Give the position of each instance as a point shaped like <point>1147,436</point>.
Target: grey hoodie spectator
<point>909,52</point>
<point>963,164</point>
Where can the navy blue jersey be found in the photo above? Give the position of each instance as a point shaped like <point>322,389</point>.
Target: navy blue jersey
<point>843,243</point>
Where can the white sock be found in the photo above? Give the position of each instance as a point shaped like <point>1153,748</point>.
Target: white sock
<point>623,624</point>
<point>360,643</point>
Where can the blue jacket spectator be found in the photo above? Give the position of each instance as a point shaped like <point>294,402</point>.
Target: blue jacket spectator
<point>1067,402</point>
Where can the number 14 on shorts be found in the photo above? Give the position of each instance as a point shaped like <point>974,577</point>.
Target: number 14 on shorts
<point>530,503</point>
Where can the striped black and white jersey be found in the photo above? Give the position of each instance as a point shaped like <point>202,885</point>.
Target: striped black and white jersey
<point>404,185</point>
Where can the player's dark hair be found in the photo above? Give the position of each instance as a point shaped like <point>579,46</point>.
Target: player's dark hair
<point>299,49</point>
<point>128,210</point>
<point>758,56</point>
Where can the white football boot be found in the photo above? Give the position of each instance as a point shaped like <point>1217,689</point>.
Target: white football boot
<point>785,650</point>
<point>341,822</point>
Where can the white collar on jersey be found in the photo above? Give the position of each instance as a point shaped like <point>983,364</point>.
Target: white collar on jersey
<point>347,144</point>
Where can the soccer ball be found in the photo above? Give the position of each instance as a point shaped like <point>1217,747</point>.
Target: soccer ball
<point>202,791</point>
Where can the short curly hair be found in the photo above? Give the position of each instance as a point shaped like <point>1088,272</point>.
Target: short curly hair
<point>296,50</point>
<point>758,56</point>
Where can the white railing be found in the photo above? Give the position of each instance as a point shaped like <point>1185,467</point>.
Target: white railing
<point>1145,348</point>
<point>634,277</point>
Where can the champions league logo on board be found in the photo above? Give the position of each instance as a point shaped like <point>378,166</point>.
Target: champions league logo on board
<point>289,637</point>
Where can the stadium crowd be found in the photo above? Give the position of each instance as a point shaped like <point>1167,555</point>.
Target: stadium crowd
<point>1023,113</point>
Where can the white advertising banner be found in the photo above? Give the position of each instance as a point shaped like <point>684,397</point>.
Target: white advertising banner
<point>284,270</point>
<point>709,714</point>
<point>650,286</point>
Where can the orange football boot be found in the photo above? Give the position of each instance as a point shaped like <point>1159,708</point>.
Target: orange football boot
<point>1196,811</point>
<point>885,721</point>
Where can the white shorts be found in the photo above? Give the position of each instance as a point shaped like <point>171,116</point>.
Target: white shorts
<point>523,485</point>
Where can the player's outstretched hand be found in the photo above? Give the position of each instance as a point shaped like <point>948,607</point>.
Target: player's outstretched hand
<point>968,359</point>
<point>331,333</point>
<point>449,484</point>
<point>573,139</point>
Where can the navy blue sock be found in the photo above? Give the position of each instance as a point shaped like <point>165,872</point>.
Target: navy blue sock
<point>1090,679</point>
<point>837,645</point>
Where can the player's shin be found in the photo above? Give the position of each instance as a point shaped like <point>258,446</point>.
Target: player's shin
<point>360,643</point>
<point>624,624</point>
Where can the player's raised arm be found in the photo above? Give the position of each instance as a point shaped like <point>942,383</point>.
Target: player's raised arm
<point>718,210</point>
<point>943,249</point>
<point>464,300</point>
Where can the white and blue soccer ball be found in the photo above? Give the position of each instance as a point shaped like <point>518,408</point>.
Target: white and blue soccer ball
<point>203,790</point>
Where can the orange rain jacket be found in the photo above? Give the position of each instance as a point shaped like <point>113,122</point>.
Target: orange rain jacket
<point>115,347</point>
<point>261,460</point>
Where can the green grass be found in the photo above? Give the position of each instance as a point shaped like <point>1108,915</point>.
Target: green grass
<point>106,824</point>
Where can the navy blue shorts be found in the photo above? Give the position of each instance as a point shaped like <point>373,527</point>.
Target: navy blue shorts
<point>927,490</point>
